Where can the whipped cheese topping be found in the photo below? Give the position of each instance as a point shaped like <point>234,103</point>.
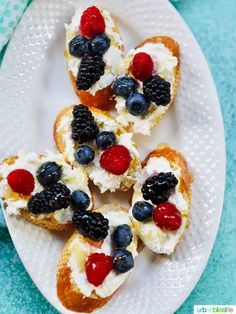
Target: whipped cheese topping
<point>80,250</point>
<point>112,58</point>
<point>164,65</point>
<point>103,179</point>
<point>153,237</point>
<point>32,162</point>
<point>108,181</point>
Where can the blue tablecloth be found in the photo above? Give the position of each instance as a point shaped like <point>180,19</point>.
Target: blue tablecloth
<point>214,24</point>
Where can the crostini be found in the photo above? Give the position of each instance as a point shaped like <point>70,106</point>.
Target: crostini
<point>91,137</point>
<point>44,189</point>
<point>97,259</point>
<point>94,50</point>
<point>148,82</point>
<point>161,200</point>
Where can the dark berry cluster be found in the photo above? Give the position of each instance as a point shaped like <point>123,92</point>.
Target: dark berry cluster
<point>52,198</point>
<point>157,90</point>
<point>91,68</point>
<point>84,127</point>
<point>91,224</point>
<point>158,187</point>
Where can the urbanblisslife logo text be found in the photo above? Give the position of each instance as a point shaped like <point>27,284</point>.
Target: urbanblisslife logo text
<point>214,309</point>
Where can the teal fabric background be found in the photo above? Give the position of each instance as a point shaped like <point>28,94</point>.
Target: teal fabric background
<point>213,22</point>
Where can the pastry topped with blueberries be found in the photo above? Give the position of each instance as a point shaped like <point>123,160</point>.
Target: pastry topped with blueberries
<point>43,189</point>
<point>94,50</point>
<point>91,137</point>
<point>97,259</point>
<point>161,200</point>
<point>147,85</point>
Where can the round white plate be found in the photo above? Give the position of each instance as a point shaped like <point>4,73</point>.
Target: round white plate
<point>34,85</point>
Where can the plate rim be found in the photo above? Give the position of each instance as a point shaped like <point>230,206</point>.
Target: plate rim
<point>211,243</point>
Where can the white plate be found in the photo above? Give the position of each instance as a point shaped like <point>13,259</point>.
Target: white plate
<point>34,85</point>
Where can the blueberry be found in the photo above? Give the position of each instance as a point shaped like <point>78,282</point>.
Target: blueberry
<point>99,44</point>
<point>122,236</point>
<point>137,104</point>
<point>142,210</point>
<point>78,46</point>
<point>123,261</point>
<point>105,139</point>
<point>49,173</point>
<point>80,200</point>
<point>124,86</point>
<point>84,154</point>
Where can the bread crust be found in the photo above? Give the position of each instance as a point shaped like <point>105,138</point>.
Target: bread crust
<point>61,145</point>
<point>175,158</point>
<point>58,138</point>
<point>68,293</point>
<point>173,46</point>
<point>48,221</point>
<point>103,99</point>
<point>66,112</point>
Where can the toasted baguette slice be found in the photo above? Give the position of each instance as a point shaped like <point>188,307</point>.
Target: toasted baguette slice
<point>100,95</point>
<point>104,180</point>
<point>16,204</point>
<point>71,268</point>
<point>164,52</point>
<point>164,159</point>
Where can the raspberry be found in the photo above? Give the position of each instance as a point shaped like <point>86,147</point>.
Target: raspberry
<point>116,159</point>
<point>21,181</point>
<point>167,217</point>
<point>142,66</point>
<point>98,266</point>
<point>92,22</point>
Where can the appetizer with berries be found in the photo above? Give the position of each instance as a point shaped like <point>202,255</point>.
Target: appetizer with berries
<point>161,200</point>
<point>148,84</point>
<point>94,50</point>
<point>44,189</point>
<point>91,137</point>
<point>97,259</point>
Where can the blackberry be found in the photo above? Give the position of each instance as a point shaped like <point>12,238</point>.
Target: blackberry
<point>91,225</point>
<point>158,187</point>
<point>91,68</point>
<point>84,127</point>
<point>157,90</point>
<point>55,197</point>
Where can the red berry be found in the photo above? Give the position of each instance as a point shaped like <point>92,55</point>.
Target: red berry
<point>21,181</point>
<point>98,266</point>
<point>167,217</point>
<point>142,66</point>
<point>116,159</point>
<point>92,22</point>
